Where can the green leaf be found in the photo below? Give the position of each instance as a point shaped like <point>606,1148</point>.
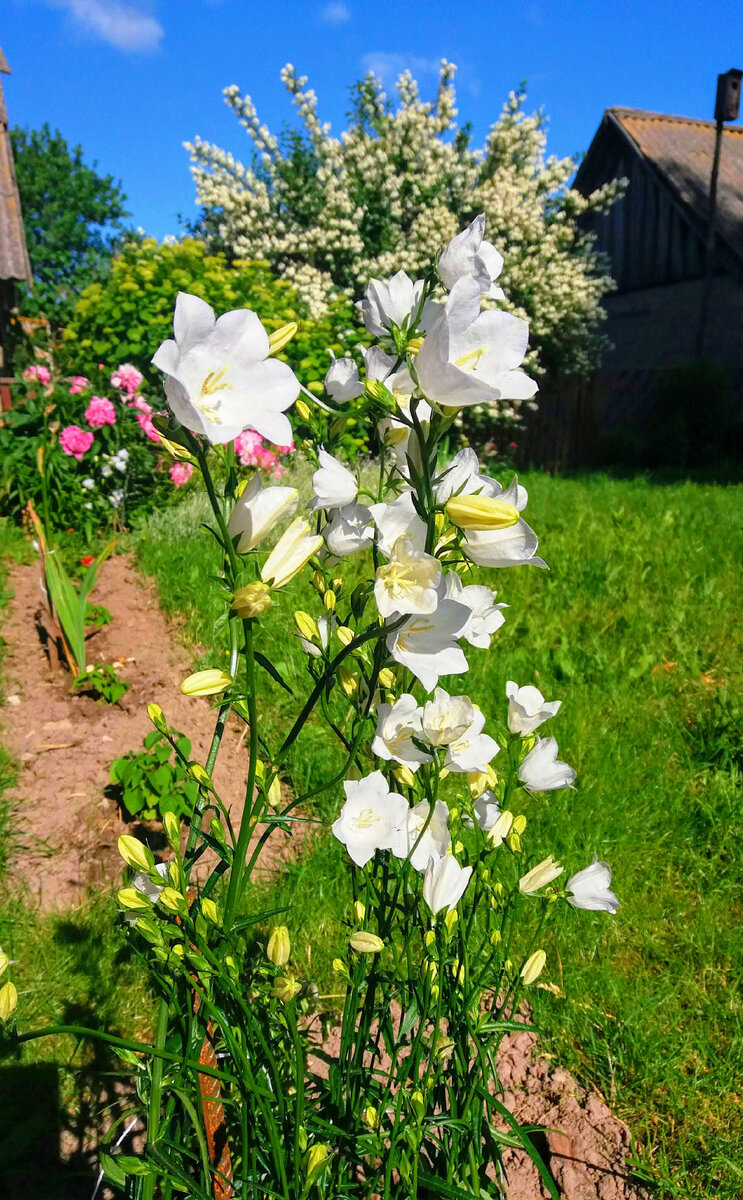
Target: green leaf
<point>272,671</point>
<point>112,1171</point>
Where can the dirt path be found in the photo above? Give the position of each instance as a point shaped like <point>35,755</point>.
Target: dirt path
<point>65,744</point>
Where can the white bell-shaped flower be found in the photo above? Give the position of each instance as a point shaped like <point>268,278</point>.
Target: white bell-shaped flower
<point>424,835</point>
<point>527,708</point>
<point>258,511</point>
<point>333,484</point>
<point>591,888</point>
<point>370,817</point>
<point>542,771</point>
<point>469,254</point>
<point>427,643</point>
<point>409,582</point>
<point>444,883</point>
<point>219,379</point>
<point>397,725</point>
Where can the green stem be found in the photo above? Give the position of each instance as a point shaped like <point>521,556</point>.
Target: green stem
<point>237,874</point>
<point>153,1111</point>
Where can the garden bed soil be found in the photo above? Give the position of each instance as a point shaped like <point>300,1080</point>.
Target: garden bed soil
<point>67,827</point>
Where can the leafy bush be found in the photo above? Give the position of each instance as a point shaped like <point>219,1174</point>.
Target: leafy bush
<point>103,682</point>
<point>93,482</point>
<point>155,781</point>
<point>123,317</point>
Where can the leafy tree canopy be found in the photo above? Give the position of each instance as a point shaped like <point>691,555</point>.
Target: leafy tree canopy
<point>72,216</point>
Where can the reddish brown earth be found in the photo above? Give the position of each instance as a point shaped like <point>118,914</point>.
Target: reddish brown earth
<point>65,745</point>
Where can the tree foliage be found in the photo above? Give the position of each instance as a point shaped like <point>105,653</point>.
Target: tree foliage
<point>328,212</point>
<point>72,217</point>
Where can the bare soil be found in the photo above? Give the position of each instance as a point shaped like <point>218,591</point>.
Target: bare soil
<point>65,745</point>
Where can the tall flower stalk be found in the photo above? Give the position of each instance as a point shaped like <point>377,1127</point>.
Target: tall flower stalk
<point>448,912</point>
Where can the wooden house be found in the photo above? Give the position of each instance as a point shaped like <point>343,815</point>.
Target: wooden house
<point>654,238</point>
<point>14,262</point>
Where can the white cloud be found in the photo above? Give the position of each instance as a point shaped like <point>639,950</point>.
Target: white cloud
<point>389,65</point>
<point>123,25</point>
<point>335,14</point>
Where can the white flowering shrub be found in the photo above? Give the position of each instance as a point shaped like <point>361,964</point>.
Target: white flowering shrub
<point>449,907</point>
<point>330,212</point>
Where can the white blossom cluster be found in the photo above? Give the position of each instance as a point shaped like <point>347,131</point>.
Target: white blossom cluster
<point>398,183</point>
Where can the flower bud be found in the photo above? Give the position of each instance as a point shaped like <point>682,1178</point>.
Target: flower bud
<point>430,939</point>
<point>444,1049</point>
<point>477,783</point>
<point>306,625</point>
<point>206,683</point>
<point>210,911</point>
<point>174,875</point>
<point>513,841</point>
<point>404,776</point>
<point>481,512</point>
<point>359,910</point>
<point>451,919</point>
<point>539,876</point>
<point>344,635</point>
<point>200,774</point>
<point>273,796</point>
<point>252,600</point>
<point>435,990</point>
<point>4,960</point>
<point>386,678</point>
<point>8,1000</point>
<point>133,899</point>
<point>533,967</point>
<point>281,338</point>
<point>496,937</point>
<point>173,901</point>
<point>317,1156</point>
<point>340,967</point>
<point>135,854</point>
<point>172,827</point>
<point>519,824</point>
<point>501,828</point>
<point>155,713</point>
<point>337,584</point>
<point>329,600</point>
<point>279,946</point>
<point>417,1103</point>
<point>318,582</point>
<point>349,684</point>
<point>370,1116</point>
<point>365,943</point>
<point>285,988</point>
<point>302,410</point>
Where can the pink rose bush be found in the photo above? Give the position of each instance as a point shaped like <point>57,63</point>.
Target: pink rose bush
<point>180,473</point>
<point>100,412</point>
<point>127,379</point>
<point>38,373</point>
<point>76,441</point>
<point>252,451</point>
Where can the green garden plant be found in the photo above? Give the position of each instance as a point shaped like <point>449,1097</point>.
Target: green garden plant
<point>156,780</point>
<point>103,681</point>
<point>450,906</point>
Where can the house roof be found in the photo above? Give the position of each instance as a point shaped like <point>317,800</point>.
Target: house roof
<point>682,150</point>
<point>14,261</point>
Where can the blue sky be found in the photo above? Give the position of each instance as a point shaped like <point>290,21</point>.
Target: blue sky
<point>132,79</point>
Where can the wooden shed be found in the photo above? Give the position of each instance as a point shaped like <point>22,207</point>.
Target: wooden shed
<point>654,238</point>
<point>15,266</point>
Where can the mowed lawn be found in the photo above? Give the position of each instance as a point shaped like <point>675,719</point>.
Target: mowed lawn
<point>637,628</point>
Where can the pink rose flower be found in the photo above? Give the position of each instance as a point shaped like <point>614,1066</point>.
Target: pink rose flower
<point>145,424</point>
<point>41,374</point>
<point>76,441</point>
<point>141,404</point>
<point>78,383</point>
<point>247,447</point>
<point>100,412</point>
<point>180,473</point>
<point>127,378</point>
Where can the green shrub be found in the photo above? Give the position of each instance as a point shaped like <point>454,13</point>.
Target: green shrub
<point>155,780</point>
<point>124,317</point>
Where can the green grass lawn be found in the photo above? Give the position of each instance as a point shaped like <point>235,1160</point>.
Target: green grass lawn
<point>637,628</point>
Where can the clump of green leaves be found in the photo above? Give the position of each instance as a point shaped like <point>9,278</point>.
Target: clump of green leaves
<point>102,681</point>
<point>155,780</point>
